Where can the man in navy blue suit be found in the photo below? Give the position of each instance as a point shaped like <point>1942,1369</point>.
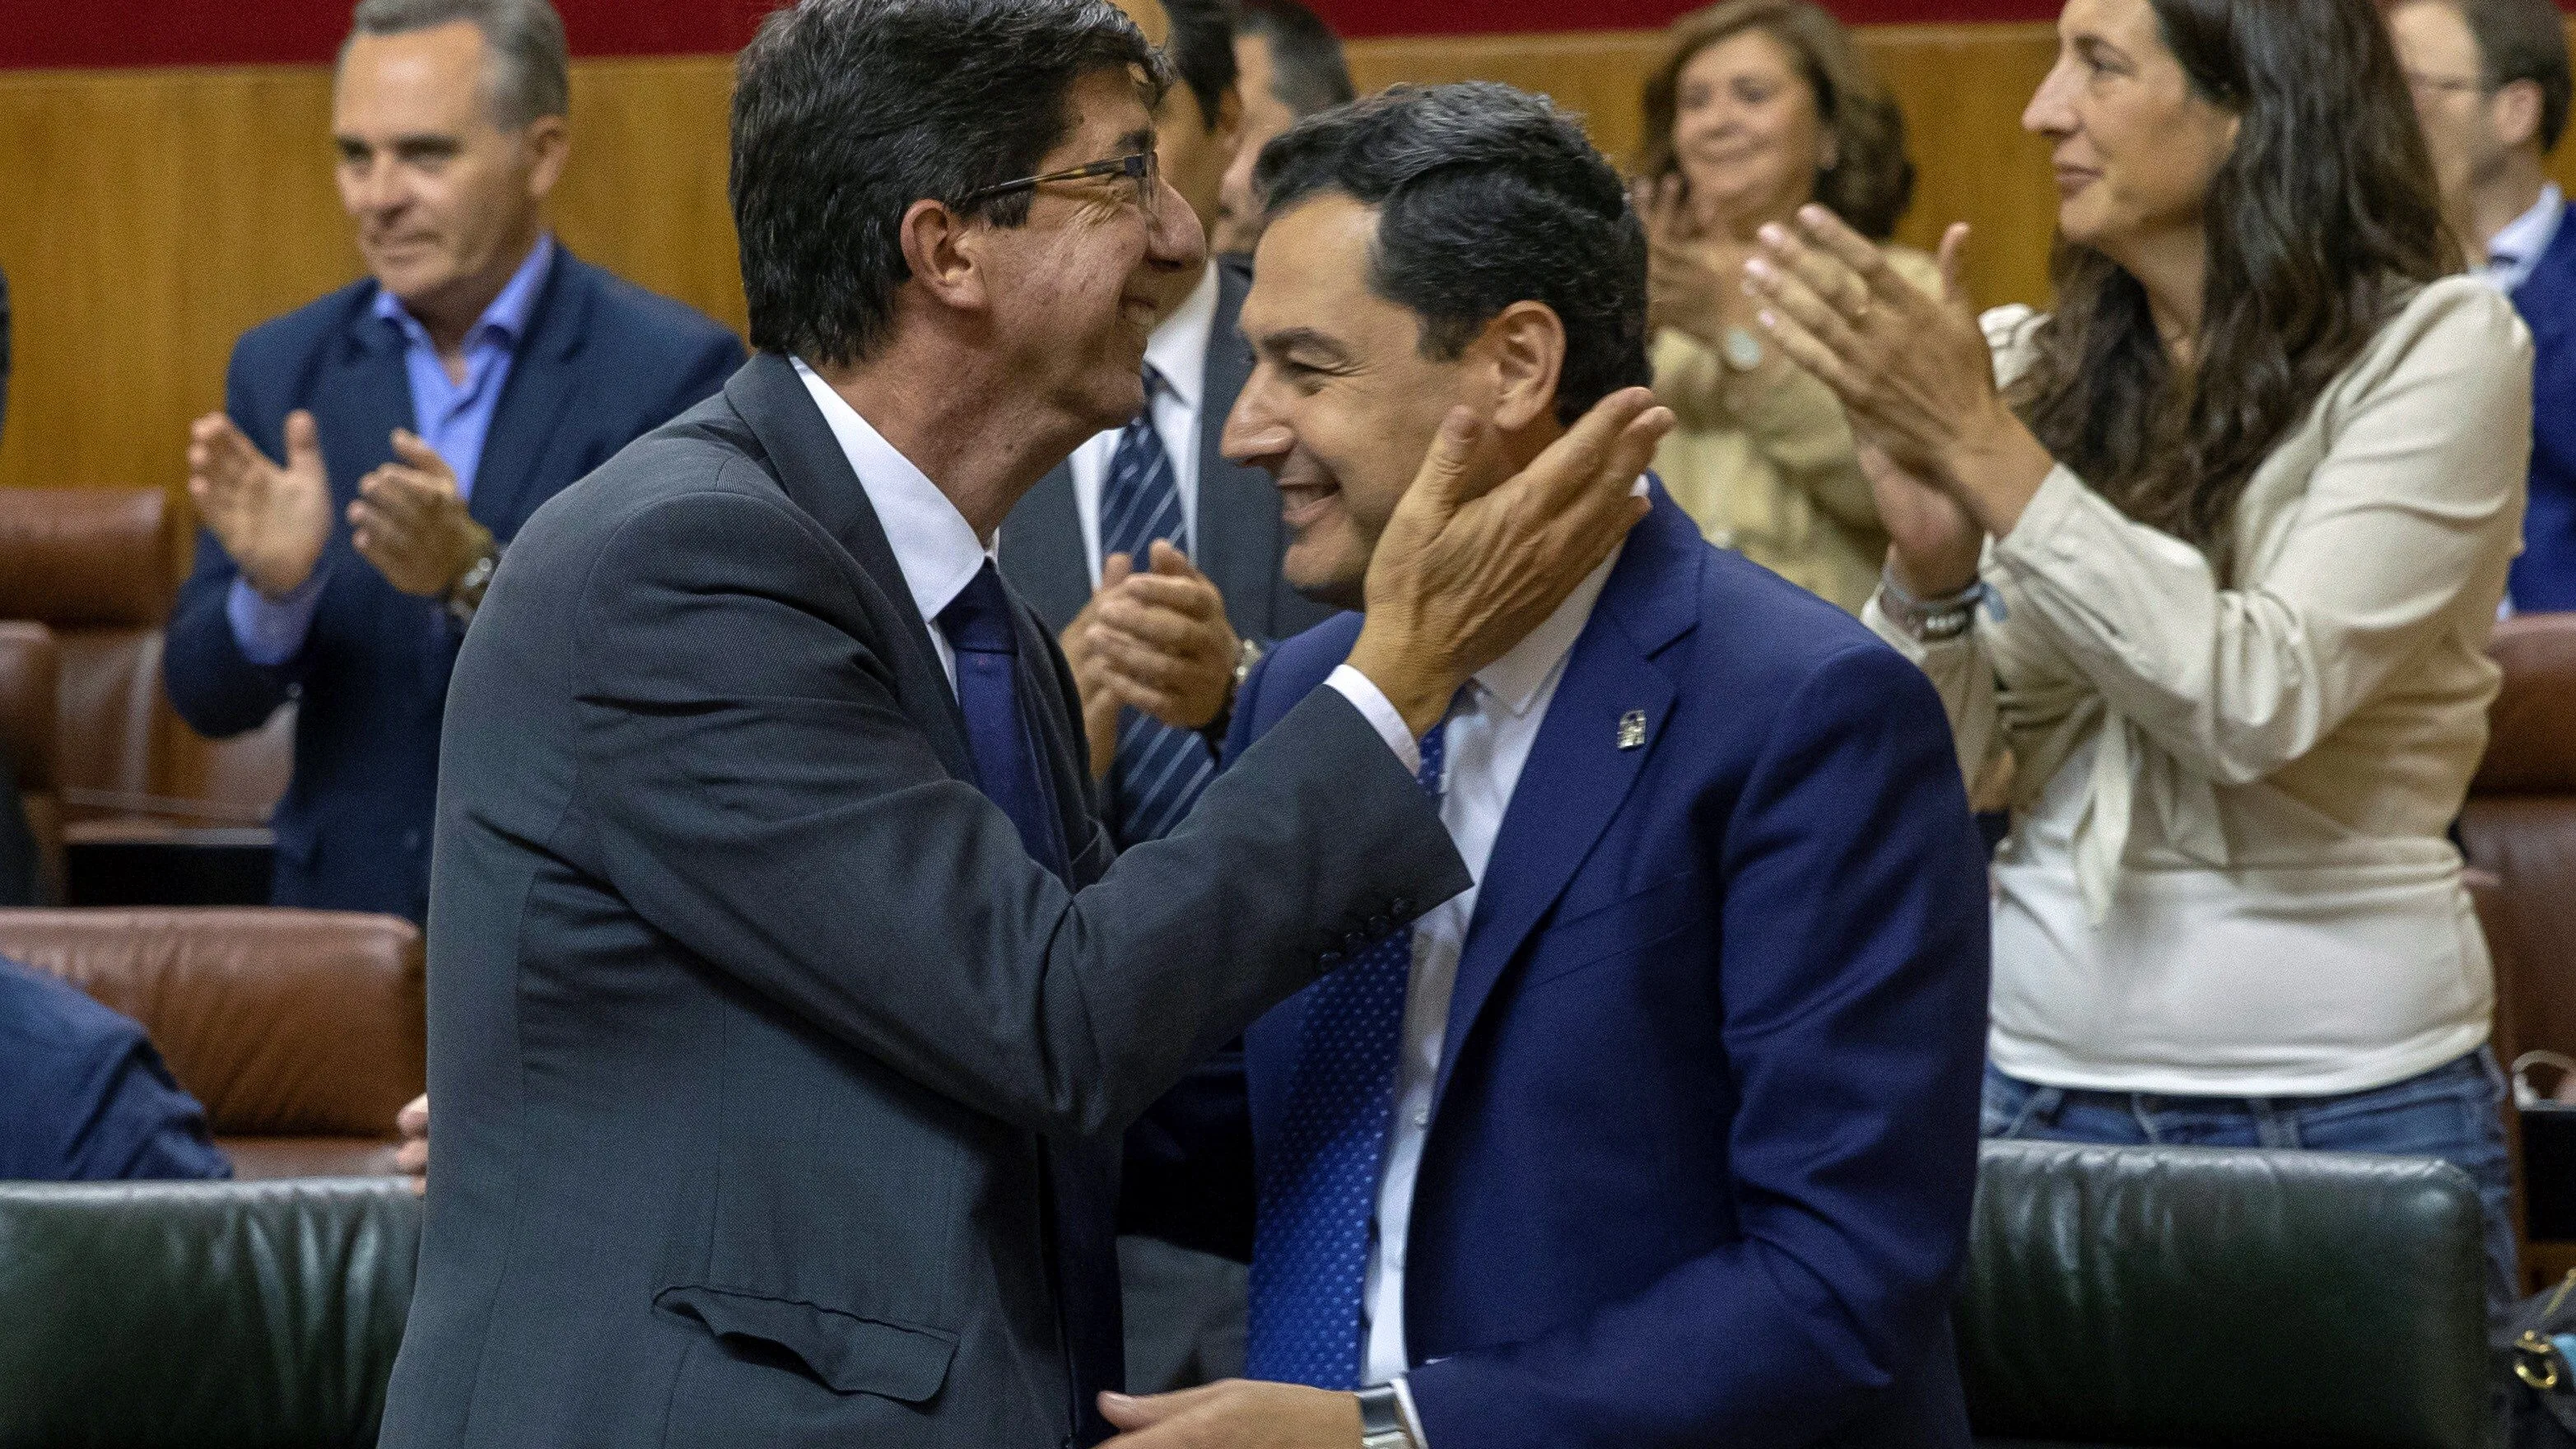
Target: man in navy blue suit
<point>379,447</point>
<point>2492,89</point>
<point>1664,1133</point>
<point>83,1095</point>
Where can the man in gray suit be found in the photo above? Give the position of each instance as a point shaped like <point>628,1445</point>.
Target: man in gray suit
<point>785,1003</point>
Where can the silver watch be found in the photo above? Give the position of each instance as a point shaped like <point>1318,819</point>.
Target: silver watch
<point>1382,1420</point>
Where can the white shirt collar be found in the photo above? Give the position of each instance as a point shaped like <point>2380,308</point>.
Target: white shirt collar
<point>933,543</point>
<point>2513,251</point>
<point>1515,680</point>
<point>1179,347</point>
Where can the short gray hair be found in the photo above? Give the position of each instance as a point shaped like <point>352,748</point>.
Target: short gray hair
<point>530,76</point>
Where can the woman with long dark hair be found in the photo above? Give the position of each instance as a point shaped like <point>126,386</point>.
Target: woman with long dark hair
<point>2213,552</point>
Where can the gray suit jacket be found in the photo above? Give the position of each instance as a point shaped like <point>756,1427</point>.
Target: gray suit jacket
<point>752,1028</point>
<point>1239,536</point>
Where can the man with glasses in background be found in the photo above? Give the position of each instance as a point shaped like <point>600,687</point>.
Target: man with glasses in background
<point>2491,85</point>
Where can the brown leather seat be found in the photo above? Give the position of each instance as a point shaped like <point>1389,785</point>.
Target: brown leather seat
<point>2519,826</point>
<point>302,1032</point>
<point>99,566</point>
<point>29,687</point>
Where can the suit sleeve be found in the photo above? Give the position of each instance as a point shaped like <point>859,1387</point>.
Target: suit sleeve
<point>1188,1171</point>
<point>1853,971</point>
<point>213,685</point>
<point>759,794</point>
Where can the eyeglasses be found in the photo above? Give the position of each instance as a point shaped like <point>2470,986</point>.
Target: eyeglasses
<point>1140,168</point>
<point>2418,81</point>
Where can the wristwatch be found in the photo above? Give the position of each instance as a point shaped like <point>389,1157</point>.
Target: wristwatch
<point>1741,349</point>
<point>1382,1420</point>
<point>1247,653</point>
<point>466,594</point>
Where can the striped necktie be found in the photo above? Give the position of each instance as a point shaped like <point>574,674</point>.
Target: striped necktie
<point>1159,772</point>
<point>1318,1188</point>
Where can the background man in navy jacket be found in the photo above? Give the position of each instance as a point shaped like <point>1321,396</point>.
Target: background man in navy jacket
<point>2491,84</point>
<point>380,446</point>
<point>1664,1133</point>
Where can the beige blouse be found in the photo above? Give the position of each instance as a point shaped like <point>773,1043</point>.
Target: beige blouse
<point>2229,870</point>
<point>1766,465</point>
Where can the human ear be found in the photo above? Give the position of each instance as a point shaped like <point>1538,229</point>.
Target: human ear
<point>1228,130</point>
<point>549,143</point>
<point>944,254</point>
<point>2514,112</point>
<point>1526,343</point>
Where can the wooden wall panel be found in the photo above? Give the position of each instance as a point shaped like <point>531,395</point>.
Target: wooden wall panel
<point>151,216</point>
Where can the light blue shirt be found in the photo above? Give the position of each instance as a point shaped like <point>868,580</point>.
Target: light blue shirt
<point>452,417</point>
<point>2514,251</point>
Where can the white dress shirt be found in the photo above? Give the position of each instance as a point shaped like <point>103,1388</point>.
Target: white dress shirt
<point>939,553</point>
<point>933,543</point>
<point>1487,742</point>
<point>1178,350</point>
<point>2514,251</point>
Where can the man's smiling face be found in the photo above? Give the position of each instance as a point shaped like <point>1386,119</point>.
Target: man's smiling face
<point>1342,404</point>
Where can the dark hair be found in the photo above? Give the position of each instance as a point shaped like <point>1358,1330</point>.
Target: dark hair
<point>1485,196</point>
<point>2523,40</point>
<point>524,38</point>
<point>1201,52</point>
<point>2320,224</point>
<point>846,112</point>
<point>1872,180</point>
<point>1307,72</point>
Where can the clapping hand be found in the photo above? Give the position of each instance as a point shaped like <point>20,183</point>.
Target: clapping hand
<point>1155,641</point>
<point>1694,275</point>
<point>1916,378</point>
<point>410,523</point>
<point>272,520</point>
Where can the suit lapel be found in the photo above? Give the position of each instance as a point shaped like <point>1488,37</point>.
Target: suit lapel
<point>810,466</point>
<point>1238,513</point>
<point>533,397</point>
<point>1578,773</point>
<point>1042,550</point>
<point>2547,297</point>
<point>370,395</point>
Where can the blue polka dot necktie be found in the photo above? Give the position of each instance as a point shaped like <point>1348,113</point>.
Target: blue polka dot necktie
<point>1159,772</point>
<point>1318,1188</point>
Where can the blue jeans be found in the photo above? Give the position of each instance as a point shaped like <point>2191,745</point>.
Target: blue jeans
<point>2451,1112</point>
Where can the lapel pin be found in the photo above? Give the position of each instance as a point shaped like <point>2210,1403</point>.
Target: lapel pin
<point>1632,729</point>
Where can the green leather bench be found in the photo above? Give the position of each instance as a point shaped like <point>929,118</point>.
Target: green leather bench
<point>2169,1298</point>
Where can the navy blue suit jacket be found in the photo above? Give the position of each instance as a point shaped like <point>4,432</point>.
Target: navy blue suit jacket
<point>84,1097</point>
<point>1705,1133</point>
<point>602,364</point>
<point>2544,577</point>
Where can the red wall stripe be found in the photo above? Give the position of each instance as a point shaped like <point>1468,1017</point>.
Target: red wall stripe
<point>50,34</point>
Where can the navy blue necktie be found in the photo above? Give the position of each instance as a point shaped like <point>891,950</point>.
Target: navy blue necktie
<point>1318,1192</point>
<point>1159,772</point>
<point>1081,1196</point>
<point>1007,765</point>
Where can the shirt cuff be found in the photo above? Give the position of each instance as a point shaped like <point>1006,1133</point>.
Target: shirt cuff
<point>1412,1418</point>
<point>1381,714</point>
<point>271,631</point>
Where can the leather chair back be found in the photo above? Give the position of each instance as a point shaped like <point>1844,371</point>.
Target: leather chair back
<point>302,1032</point>
<point>175,1315</point>
<point>2187,1297</point>
<point>30,688</point>
<point>2520,825</point>
<point>99,567</point>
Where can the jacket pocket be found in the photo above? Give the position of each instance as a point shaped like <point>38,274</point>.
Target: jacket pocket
<point>842,1351</point>
<point>1616,930</point>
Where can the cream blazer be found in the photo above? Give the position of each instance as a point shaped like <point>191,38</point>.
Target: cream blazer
<point>1768,468</point>
<point>2291,739</point>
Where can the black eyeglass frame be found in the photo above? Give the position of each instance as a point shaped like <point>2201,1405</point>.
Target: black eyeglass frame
<point>1137,166</point>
